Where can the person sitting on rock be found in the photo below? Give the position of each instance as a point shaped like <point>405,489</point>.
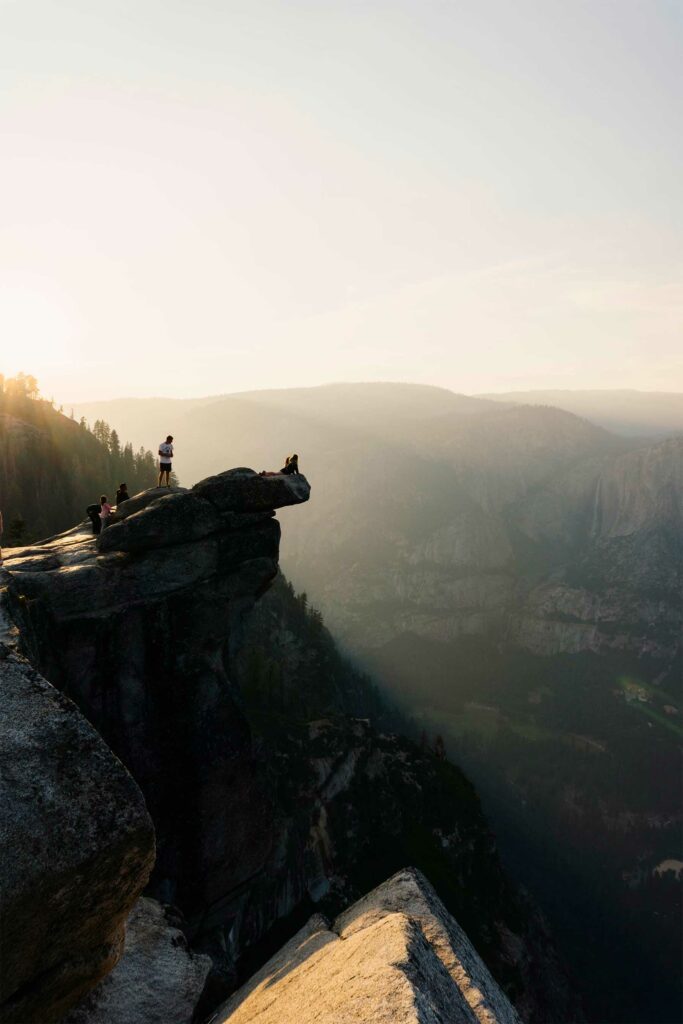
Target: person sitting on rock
<point>291,465</point>
<point>105,511</point>
<point>122,494</point>
<point>165,460</point>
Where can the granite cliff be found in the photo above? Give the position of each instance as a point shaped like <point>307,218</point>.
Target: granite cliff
<point>136,628</point>
<point>395,956</point>
<point>257,822</point>
<point>77,846</point>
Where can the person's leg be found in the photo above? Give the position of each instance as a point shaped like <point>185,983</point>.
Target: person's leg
<point>161,475</point>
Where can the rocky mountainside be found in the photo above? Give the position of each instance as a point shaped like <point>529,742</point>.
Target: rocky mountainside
<point>261,812</point>
<point>395,956</point>
<point>377,801</point>
<point>77,845</point>
<point>137,631</point>
<point>512,574</point>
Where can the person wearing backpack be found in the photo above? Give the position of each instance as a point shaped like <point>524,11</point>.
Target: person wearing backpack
<point>166,460</point>
<point>93,514</point>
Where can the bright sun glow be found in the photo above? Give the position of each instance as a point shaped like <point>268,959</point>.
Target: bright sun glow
<point>35,327</point>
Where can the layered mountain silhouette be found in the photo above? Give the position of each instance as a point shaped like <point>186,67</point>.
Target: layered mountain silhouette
<point>629,412</point>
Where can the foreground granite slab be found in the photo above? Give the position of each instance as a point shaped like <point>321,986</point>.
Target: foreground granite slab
<point>395,957</point>
<point>76,846</point>
<point>156,981</point>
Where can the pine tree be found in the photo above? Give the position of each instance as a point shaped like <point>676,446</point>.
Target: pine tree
<point>115,445</point>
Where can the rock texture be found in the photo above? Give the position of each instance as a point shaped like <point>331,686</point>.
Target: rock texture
<point>138,629</point>
<point>77,847</point>
<point>395,956</point>
<point>355,803</point>
<point>142,628</point>
<point>156,981</point>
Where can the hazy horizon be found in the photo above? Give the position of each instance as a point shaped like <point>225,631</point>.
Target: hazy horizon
<point>250,195</point>
<point>341,383</point>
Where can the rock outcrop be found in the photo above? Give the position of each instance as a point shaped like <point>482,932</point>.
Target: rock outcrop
<point>395,956</point>
<point>137,627</point>
<point>156,981</point>
<point>77,847</point>
<point>356,802</point>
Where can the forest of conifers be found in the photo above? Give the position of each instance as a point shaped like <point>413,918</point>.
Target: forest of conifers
<point>52,467</point>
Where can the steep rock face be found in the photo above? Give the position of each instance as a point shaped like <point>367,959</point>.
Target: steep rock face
<point>143,628</point>
<point>138,630</point>
<point>355,803</point>
<point>156,981</point>
<point>479,556</point>
<point>396,956</point>
<point>77,847</point>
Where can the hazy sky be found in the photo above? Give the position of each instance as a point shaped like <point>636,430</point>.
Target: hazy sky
<point>200,196</point>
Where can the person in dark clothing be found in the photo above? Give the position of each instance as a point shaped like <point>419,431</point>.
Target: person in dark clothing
<point>93,513</point>
<point>122,494</point>
<point>291,465</point>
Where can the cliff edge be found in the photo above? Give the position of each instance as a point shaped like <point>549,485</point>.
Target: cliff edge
<point>137,626</point>
<point>396,955</point>
<point>77,846</point>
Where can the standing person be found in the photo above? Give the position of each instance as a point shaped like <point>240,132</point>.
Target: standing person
<point>105,511</point>
<point>93,513</point>
<point>166,460</point>
<point>122,494</point>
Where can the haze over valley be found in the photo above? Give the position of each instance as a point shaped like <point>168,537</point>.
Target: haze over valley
<point>341,512</point>
<point>511,574</point>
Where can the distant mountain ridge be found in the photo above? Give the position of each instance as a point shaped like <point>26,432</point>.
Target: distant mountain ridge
<point>628,412</point>
<point>624,412</point>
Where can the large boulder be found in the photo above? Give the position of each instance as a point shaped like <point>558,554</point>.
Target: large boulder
<point>173,519</point>
<point>156,981</point>
<point>397,956</point>
<point>77,848</point>
<point>243,490</point>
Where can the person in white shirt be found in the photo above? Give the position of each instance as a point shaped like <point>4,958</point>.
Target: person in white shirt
<point>166,460</point>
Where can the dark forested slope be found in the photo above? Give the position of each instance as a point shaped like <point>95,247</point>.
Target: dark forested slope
<point>52,467</point>
<point>371,800</point>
